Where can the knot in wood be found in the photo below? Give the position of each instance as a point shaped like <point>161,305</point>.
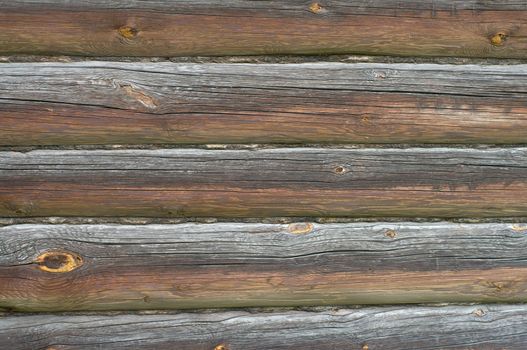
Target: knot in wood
<point>479,313</point>
<point>140,96</point>
<point>58,261</point>
<point>316,8</point>
<point>339,170</point>
<point>390,233</point>
<point>127,32</point>
<point>498,39</point>
<point>300,228</point>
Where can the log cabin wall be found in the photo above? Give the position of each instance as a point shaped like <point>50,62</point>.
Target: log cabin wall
<point>231,175</point>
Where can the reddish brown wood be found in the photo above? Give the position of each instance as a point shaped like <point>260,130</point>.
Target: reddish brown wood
<point>435,182</point>
<point>237,27</point>
<point>102,267</point>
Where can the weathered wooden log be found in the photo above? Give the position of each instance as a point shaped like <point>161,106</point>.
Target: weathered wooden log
<point>239,27</point>
<point>489,327</point>
<point>412,182</point>
<point>113,267</point>
<point>138,103</point>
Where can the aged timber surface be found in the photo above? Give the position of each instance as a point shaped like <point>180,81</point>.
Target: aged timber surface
<point>124,267</point>
<point>416,182</point>
<point>142,103</point>
<point>482,327</point>
<point>237,27</point>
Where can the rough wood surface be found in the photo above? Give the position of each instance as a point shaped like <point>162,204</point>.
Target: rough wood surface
<point>482,327</point>
<point>138,103</point>
<point>123,267</point>
<point>415,182</point>
<point>237,27</point>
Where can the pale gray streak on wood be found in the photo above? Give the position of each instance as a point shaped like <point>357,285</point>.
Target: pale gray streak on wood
<point>456,166</point>
<point>176,86</point>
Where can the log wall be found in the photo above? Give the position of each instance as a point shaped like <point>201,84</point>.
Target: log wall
<point>269,196</point>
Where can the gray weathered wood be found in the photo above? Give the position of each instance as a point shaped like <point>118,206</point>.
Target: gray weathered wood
<point>426,182</point>
<point>244,264</point>
<point>482,327</point>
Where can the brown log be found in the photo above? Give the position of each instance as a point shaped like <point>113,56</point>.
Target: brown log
<point>113,267</point>
<point>242,27</point>
<point>167,103</point>
<point>412,182</point>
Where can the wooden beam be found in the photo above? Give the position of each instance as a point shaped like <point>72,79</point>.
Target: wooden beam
<point>412,182</point>
<point>242,27</point>
<point>450,327</point>
<point>125,267</point>
<point>142,103</point>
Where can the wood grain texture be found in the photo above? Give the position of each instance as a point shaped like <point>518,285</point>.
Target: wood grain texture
<point>238,27</point>
<point>483,327</point>
<point>411,182</point>
<point>123,267</point>
<point>143,103</point>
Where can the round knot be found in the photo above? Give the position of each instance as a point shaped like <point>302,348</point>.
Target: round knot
<point>390,234</point>
<point>128,32</point>
<point>339,170</point>
<point>316,8</point>
<point>58,261</point>
<point>498,39</point>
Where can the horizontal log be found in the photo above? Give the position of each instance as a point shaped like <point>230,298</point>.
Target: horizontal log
<point>487,327</point>
<point>113,267</point>
<point>238,27</point>
<point>412,182</point>
<point>142,103</point>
